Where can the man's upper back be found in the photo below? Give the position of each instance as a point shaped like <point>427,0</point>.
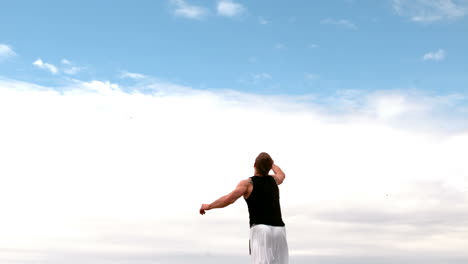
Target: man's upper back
<point>264,202</point>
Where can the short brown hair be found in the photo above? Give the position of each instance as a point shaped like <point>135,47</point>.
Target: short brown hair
<point>263,163</point>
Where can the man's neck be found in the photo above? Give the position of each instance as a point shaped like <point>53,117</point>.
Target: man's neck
<point>257,174</point>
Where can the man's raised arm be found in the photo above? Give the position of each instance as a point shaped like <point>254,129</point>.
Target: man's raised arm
<point>278,174</point>
<point>227,199</point>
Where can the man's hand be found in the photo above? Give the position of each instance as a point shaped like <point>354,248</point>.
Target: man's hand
<point>204,207</point>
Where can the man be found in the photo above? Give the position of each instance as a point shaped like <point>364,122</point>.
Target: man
<point>268,243</point>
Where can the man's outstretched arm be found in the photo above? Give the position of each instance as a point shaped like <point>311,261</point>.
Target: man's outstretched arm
<point>278,174</point>
<point>227,199</point>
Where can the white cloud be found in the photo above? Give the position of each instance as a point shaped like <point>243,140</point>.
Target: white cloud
<point>339,22</point>
<point>229,8</point>
<point>391,106</point>
<point>435,56</point>
<point>132,75</point>
<point>70,69</point>
<point>6,52</point>
<point>362,180</point>
<point>425,11</point>
<point>46,66</point>
<point>184,9</point>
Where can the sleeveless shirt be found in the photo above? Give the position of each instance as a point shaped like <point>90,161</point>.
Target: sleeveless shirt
<point>264,202</point>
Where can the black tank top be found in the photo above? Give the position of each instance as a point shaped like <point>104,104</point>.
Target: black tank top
<point>263,202</point>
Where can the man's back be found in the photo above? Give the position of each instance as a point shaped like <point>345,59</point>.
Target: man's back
<point>264,202</point>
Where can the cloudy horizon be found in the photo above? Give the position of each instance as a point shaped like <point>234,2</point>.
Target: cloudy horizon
<point>118,176</point>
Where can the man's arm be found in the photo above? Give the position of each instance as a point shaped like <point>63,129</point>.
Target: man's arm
<point>227,199</point>
<point>278,174</point>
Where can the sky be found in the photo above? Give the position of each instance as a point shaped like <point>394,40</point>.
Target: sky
<point>120,118</point>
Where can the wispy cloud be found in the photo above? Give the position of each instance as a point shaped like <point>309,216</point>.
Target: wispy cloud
<point>65,62</point>
<point>131,75</point>
<point>229,8</point>
<point>70,68</point>
<point>46,66</point>
<point>426,11</point>
<point>66,67</point>
<point>6,51</point>
<point>339,22</point>
<point>183,9</point>
<point>435,56</point>
<point>256,78</point>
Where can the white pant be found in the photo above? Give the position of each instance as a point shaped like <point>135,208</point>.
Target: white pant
<point>268,245</point>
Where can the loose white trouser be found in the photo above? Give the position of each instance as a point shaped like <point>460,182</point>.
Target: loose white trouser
<point>268,245</point>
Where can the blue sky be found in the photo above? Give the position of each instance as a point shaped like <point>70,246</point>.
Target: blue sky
<point>303,47</point>
<point>105,106</point>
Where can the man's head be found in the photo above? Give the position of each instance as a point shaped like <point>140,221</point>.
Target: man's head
<point>263,163</point>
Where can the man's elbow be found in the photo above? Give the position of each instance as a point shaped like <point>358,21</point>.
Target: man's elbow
<point>281,179</point>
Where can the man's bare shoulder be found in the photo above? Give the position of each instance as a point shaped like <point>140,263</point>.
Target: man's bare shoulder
<point>246,182</point>
<point>248,185</point>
